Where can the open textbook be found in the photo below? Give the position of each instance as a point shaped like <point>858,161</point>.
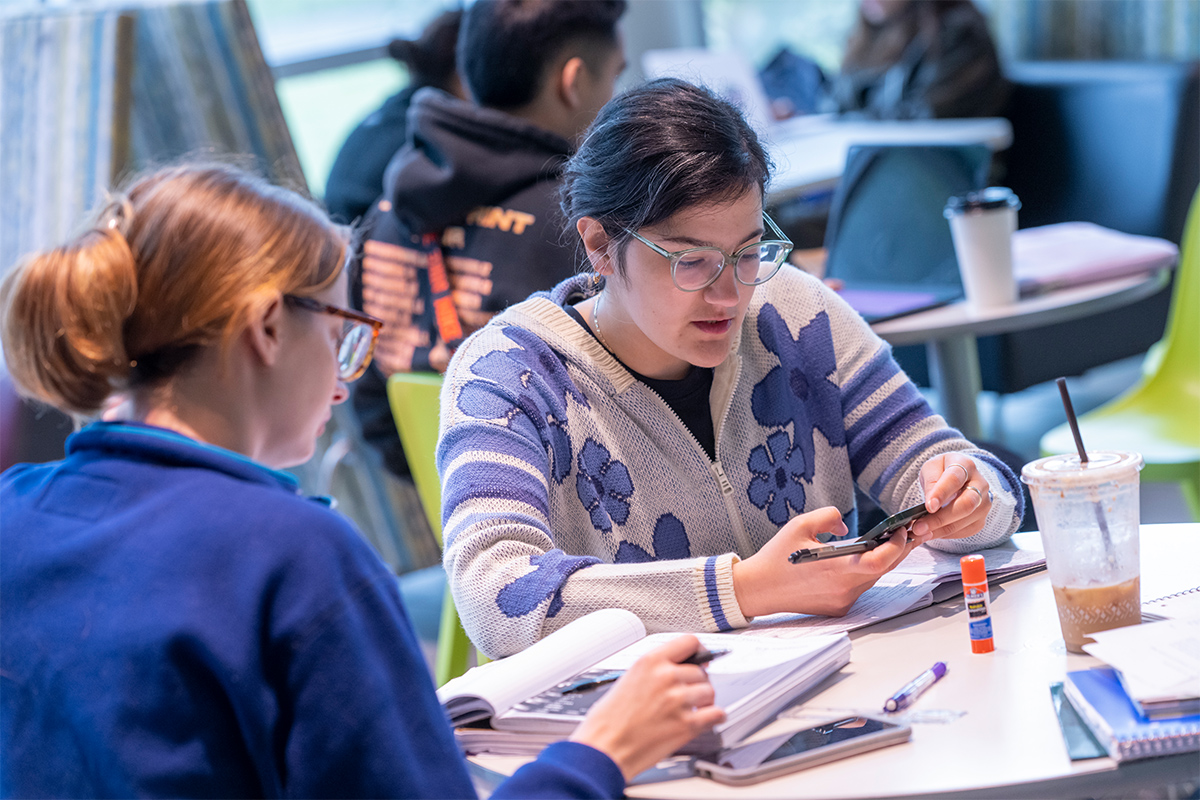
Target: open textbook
<point>521,703</point>
<point>925,577</point>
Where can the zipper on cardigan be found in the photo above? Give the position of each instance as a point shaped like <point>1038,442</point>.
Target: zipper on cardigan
<point>726,486</point>
<point>728,400</point>
<point>731,508</point>
<point>684,429</point>
<point>731,505</point>
<point>715,468</point>
<point>727,491</point>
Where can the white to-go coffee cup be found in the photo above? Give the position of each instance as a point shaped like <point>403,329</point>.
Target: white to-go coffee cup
<point>981,225</point>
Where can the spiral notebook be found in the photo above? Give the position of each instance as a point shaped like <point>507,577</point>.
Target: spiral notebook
<point>1180,605</point>
<point>1101,701</point>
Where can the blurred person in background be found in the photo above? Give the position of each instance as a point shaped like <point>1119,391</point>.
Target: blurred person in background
<point>904,59</point>
<point>919,59</point>
<point>356,179</point>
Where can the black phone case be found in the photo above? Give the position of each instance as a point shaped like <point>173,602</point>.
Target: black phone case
<point>898,520</point>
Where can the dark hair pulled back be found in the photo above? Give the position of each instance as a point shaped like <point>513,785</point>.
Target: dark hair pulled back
<point>657,149</point>
<point>430,57</point>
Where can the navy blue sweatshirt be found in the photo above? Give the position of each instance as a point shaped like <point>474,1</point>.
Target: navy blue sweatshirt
<point>177,620</point>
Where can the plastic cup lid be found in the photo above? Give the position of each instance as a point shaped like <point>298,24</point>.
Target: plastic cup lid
<point>990,198</point>
<point>1102,466</point>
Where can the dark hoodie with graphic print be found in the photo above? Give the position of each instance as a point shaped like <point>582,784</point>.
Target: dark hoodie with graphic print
<point>469,224</point>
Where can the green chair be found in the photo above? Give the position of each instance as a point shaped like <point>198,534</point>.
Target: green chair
<point>415,401</point>
<point>1160,416</point>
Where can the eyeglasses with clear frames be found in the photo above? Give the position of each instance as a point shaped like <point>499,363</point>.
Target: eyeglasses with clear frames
<point>698,267</point>
<point>356,344</point>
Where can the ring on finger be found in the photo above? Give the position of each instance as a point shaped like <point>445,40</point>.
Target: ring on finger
<point>966,475</point>
<point>975,489</point>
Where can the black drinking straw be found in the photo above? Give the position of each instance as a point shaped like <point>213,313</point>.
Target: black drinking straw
<point>1074,423</point>
<point>1083,459</point>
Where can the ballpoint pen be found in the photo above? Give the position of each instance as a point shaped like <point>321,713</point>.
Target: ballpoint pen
<point>699,657</point>
<point>915,688</point>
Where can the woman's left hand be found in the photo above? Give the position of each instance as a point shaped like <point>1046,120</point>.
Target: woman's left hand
<point>957,495</point>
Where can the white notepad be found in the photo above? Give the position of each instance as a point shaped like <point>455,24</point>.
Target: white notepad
<point>1179,605</point>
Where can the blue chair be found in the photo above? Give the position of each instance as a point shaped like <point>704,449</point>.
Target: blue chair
<point>886,224</point>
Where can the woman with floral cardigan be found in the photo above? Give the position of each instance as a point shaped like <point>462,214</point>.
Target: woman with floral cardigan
<point>661,434</point>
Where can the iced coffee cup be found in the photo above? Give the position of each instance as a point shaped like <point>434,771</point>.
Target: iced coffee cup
<point>1088,517</point>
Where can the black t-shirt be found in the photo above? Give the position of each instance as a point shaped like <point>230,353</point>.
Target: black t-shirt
<point>688,397</point>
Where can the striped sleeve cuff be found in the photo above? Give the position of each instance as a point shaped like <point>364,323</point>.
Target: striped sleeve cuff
<point>714,588</point>
<point>1002,520</point>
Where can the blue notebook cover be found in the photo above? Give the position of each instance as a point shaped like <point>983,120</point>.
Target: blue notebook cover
<point>1100,699</point>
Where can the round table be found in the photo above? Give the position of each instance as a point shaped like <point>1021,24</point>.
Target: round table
<point>949,334</point>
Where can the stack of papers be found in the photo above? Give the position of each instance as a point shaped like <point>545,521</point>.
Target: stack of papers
<point>1158,664</point>
<point>1126,735</point>
<point>925,577</point>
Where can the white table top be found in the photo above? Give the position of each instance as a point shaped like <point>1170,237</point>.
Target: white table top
<point>810,152</point>
<point>1006,743</point>
<point>1060,305</point>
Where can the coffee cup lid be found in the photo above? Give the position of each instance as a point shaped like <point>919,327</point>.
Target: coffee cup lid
<point>1102,466</point>
<point>990,198</point>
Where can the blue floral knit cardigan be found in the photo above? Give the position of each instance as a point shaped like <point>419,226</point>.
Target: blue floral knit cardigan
<point>569,486</point>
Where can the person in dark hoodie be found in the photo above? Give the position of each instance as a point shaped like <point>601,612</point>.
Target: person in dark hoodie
<point>469,221</point>
<point>356,177</point>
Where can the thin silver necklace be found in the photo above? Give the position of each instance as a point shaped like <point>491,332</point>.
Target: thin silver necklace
<point>596,321</point>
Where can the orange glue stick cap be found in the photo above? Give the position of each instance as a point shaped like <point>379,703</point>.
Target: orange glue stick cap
<point>973,569</point>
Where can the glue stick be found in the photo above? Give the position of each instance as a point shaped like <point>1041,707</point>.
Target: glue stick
<point>979,605</point>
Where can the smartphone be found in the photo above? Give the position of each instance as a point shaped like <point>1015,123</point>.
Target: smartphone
<point>880,533</point>
<point>788,752</point>
<point>868,541</point>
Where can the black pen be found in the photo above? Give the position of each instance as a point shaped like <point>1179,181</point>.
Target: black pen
<point>699,658</point>
<point>703,656</point>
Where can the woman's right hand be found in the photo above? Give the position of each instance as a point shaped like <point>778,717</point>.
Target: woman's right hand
<point>655,708</point>
<point>767,583</point>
